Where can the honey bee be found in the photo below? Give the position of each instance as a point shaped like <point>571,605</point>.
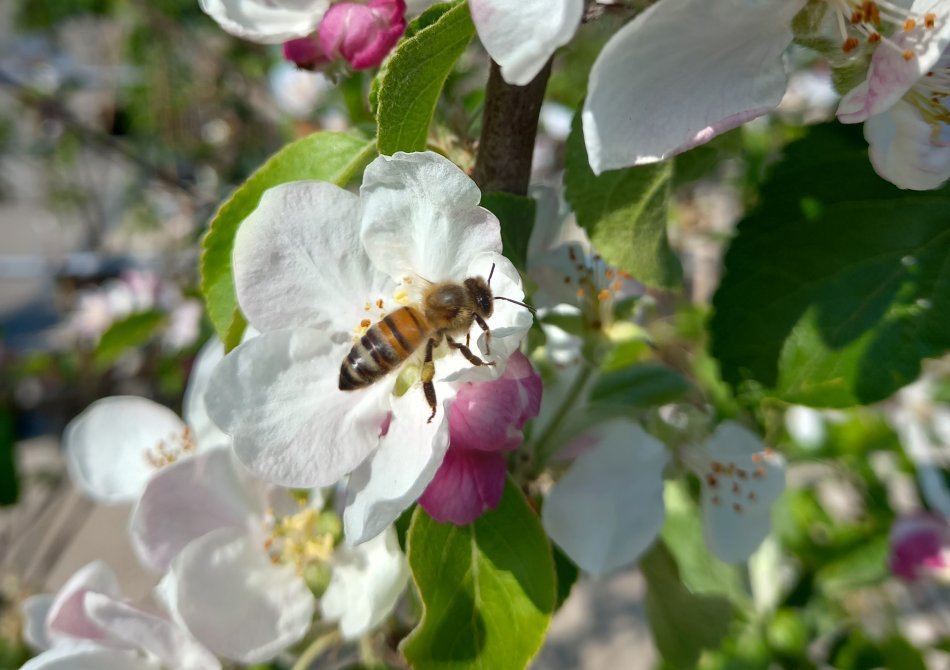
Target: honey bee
<point>447,309</point>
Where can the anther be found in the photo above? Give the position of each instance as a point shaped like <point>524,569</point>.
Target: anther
<point>850,45</point>
<point>930,20</point>
<point>603,295</point>
<point>379,303</point>
<point>908,55</point>
<point>909,24</point>
<point>712,481</point>
<point>874,38</point>
<point>365,323</point>
<point>737,507</point>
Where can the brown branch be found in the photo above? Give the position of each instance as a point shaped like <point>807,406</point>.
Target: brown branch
<point>509,126</point>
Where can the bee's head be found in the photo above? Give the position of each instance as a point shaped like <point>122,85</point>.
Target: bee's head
<point>481,295</point>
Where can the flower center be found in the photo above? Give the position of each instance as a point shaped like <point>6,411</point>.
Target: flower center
<point>929,95</point>
<point>730,485</point>
<point>597,286</point>
<point>870,22</point>
<point>170,450</point>
<point>303,540</point>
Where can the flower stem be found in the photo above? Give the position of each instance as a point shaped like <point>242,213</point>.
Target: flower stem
<point>509,126</point>
<point>317,647</point>
<point>545,447</point>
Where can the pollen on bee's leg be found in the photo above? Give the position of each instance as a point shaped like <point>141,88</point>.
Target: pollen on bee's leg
<point>401,296</point>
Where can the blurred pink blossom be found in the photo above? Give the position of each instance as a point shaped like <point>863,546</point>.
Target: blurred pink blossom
<point>484,422</point>
<point>919,547</point>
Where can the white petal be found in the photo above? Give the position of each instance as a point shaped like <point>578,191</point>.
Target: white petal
<point>35,609</point>
<point>522,36</point>
<point>88,657</point>
<point>169,643</point>
<point>235,601</point>
<point>607,510</point>
<point>107,446</point>
<point>67,620</point>
<point>194,410</point>
<point>187,500</point>
<point>721,66</point>
<point>365,583</point>
<point>509,323</point>
<point>890,75</point>
<point>398,472</point>
<point>278,397</point>
<point>266,21</point>
<point>421,217</point>
<point>904,150</point>
<point>298,260</point>
<point>740,484</point>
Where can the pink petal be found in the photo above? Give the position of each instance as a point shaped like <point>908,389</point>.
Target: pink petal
<point>468,483</point>
<point>305,52</point>
<point>489,416</point>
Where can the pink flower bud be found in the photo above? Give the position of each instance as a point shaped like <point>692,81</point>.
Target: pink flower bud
<point>305,52</point>
<point>485,420</point>
<point>362,35</point>
<point>919,546</point>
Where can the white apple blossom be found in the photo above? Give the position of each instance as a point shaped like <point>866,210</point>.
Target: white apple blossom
<point>236,551</point>
<point>522,36</point>
<point>608,509</point>
<point>87,624</point>
<point>314,267</point>
<point>901,103</point>
<point>118,443</point>
<point>722,65</point>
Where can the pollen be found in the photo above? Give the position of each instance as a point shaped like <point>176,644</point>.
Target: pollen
<point>367,307</point>
<point>909,24</point>
<point>850,44</point>
<point>407,280</point>
<point>401,296</point>
<point>300,539</point>
<point>380,304</point>
<point>907,55</point>
<point>365,323</point>
<point>171,449</point>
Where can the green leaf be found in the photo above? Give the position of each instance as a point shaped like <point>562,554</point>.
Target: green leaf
<point>323,156</point>
<point>683,624</point>
<point>838,284</point>
<point>642,385</point>
<point>488,588</point>
<point>624,213</point>
<point>700,571</point>
<point>126,333</point>
<point>410,83</point>
<point>567,573</point>
<point>9,481</point>
<point>516,213</point>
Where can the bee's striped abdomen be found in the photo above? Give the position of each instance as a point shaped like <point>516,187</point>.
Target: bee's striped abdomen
<point>384,346</point>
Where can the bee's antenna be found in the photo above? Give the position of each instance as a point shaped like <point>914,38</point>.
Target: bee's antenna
<point>490,274</point>
<point>527,307</point>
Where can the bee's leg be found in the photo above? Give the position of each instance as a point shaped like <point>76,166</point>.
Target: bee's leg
<point>428,373</point>
<point>484,326</point>
<point>472,358</point>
